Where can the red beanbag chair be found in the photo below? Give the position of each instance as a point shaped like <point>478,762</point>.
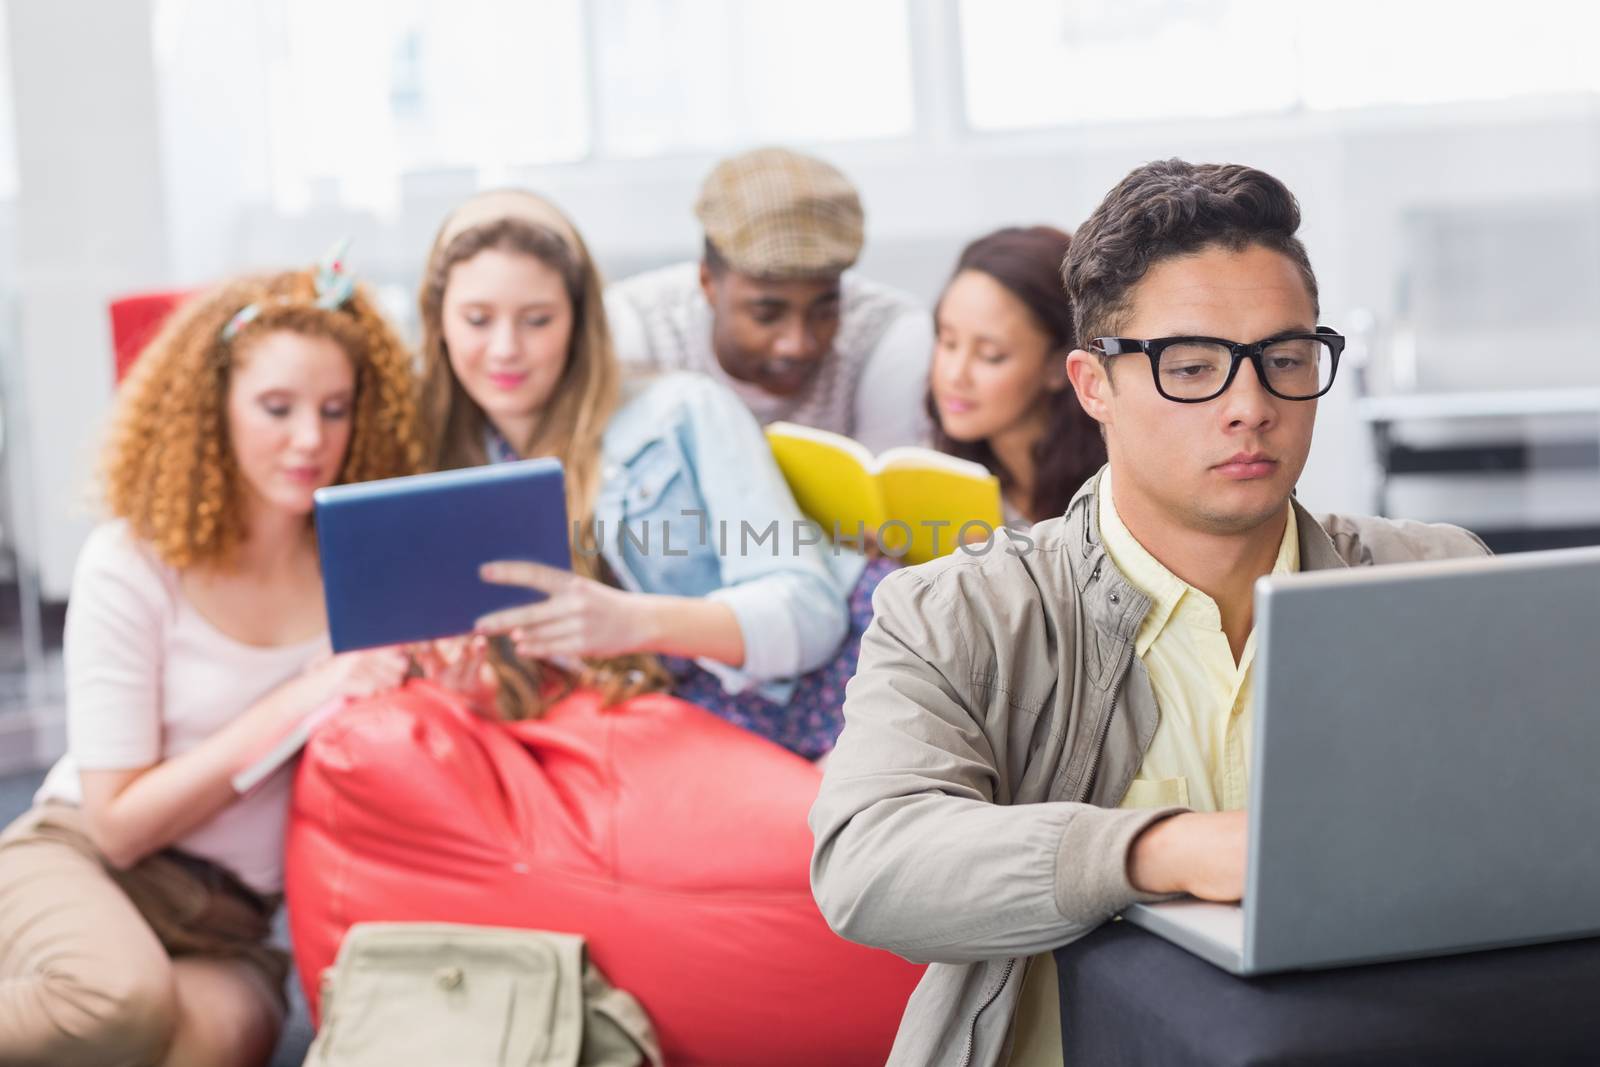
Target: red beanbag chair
<point>674,842</point>
<point>135,320</point>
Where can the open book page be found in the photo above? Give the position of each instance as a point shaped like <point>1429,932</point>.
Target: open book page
<point>830,477</point>
<point>913,501</point>
<point>937,496</point>
<point>909,457</point>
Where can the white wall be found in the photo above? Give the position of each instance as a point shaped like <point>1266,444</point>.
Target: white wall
<point>91,223</point>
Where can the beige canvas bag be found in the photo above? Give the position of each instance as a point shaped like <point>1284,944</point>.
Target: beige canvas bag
<point>430,994</point>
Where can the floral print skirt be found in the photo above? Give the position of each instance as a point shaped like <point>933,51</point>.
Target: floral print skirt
<point>809,724</point>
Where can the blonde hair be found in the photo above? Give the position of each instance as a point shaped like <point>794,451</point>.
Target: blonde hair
<point>168,467</point>
<point>573,421</point>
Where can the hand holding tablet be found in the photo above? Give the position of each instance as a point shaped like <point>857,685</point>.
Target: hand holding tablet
<point>577,617</point>
<point>401,557</point>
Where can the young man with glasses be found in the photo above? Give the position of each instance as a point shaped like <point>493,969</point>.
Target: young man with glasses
<point>1043,733</point>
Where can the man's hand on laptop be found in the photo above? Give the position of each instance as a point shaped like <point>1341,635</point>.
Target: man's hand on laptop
<point>1199,853</point>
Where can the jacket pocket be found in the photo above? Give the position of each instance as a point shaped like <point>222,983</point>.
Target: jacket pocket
<point>650,475</point>
<point>663,538</point>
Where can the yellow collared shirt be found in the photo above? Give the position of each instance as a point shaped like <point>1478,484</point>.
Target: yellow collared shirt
<point>1200,755</point>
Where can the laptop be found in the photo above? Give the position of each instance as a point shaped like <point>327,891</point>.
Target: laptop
<point>400,556</point>
<point>1426,772</point>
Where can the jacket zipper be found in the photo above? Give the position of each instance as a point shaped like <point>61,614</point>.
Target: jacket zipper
<point>994,995</point>
<point>1094,767</point>
<point>1105,725</point>
<point>1005,975</point>
<point>1105,731</point>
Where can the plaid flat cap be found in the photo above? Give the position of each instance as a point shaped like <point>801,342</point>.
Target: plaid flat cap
<point>775,213</point>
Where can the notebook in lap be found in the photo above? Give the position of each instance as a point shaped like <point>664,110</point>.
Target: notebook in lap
<point>1424,766</point>
<point>400,556</point>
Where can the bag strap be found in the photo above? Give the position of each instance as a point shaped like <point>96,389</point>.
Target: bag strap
<point>616,1030</point>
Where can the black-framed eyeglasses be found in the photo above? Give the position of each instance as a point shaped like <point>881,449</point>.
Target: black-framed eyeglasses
<point>1192,370</point>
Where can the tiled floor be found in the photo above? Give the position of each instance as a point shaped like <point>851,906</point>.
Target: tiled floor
<point>16,793</point>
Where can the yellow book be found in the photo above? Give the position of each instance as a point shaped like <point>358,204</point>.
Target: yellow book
<point>918,504</point>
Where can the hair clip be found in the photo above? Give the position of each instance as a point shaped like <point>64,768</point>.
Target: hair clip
<point>242,318</point>
<point>332,282</point>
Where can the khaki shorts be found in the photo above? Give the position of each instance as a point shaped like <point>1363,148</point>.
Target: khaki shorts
<point>75,933</point>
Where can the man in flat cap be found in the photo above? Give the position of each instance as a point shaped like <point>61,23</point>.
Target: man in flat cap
<point>773,311</point>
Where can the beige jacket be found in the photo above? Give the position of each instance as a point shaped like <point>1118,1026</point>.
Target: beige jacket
<point>968,815</point>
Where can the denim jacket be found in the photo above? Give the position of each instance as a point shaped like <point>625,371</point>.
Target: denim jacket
<point>691,503</point>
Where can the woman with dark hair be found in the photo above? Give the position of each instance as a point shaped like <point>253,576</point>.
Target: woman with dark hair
<point>998,389</point>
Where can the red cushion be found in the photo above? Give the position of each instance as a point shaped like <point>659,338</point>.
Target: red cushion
<point>674,842</point>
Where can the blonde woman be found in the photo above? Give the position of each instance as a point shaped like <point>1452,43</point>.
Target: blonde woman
<point>693,569</point>
<point>136,896</point>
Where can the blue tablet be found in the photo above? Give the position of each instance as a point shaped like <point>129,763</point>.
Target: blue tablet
<point>400,556</point>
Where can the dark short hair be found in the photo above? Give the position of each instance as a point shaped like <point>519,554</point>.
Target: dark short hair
<point>714,260</point>
<point>1172,208</point>
<point>1026,261</point>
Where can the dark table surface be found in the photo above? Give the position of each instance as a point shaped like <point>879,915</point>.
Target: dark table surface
<point>1129,997</point>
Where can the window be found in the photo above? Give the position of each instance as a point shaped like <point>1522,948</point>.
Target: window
<point>1361,52</point>
<point>675,75</point>
<point>358,92</point>
<point>1054,62</point>
<point>1032,63</point>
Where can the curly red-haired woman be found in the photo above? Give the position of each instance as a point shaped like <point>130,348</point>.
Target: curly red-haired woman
<point>136,896</point>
